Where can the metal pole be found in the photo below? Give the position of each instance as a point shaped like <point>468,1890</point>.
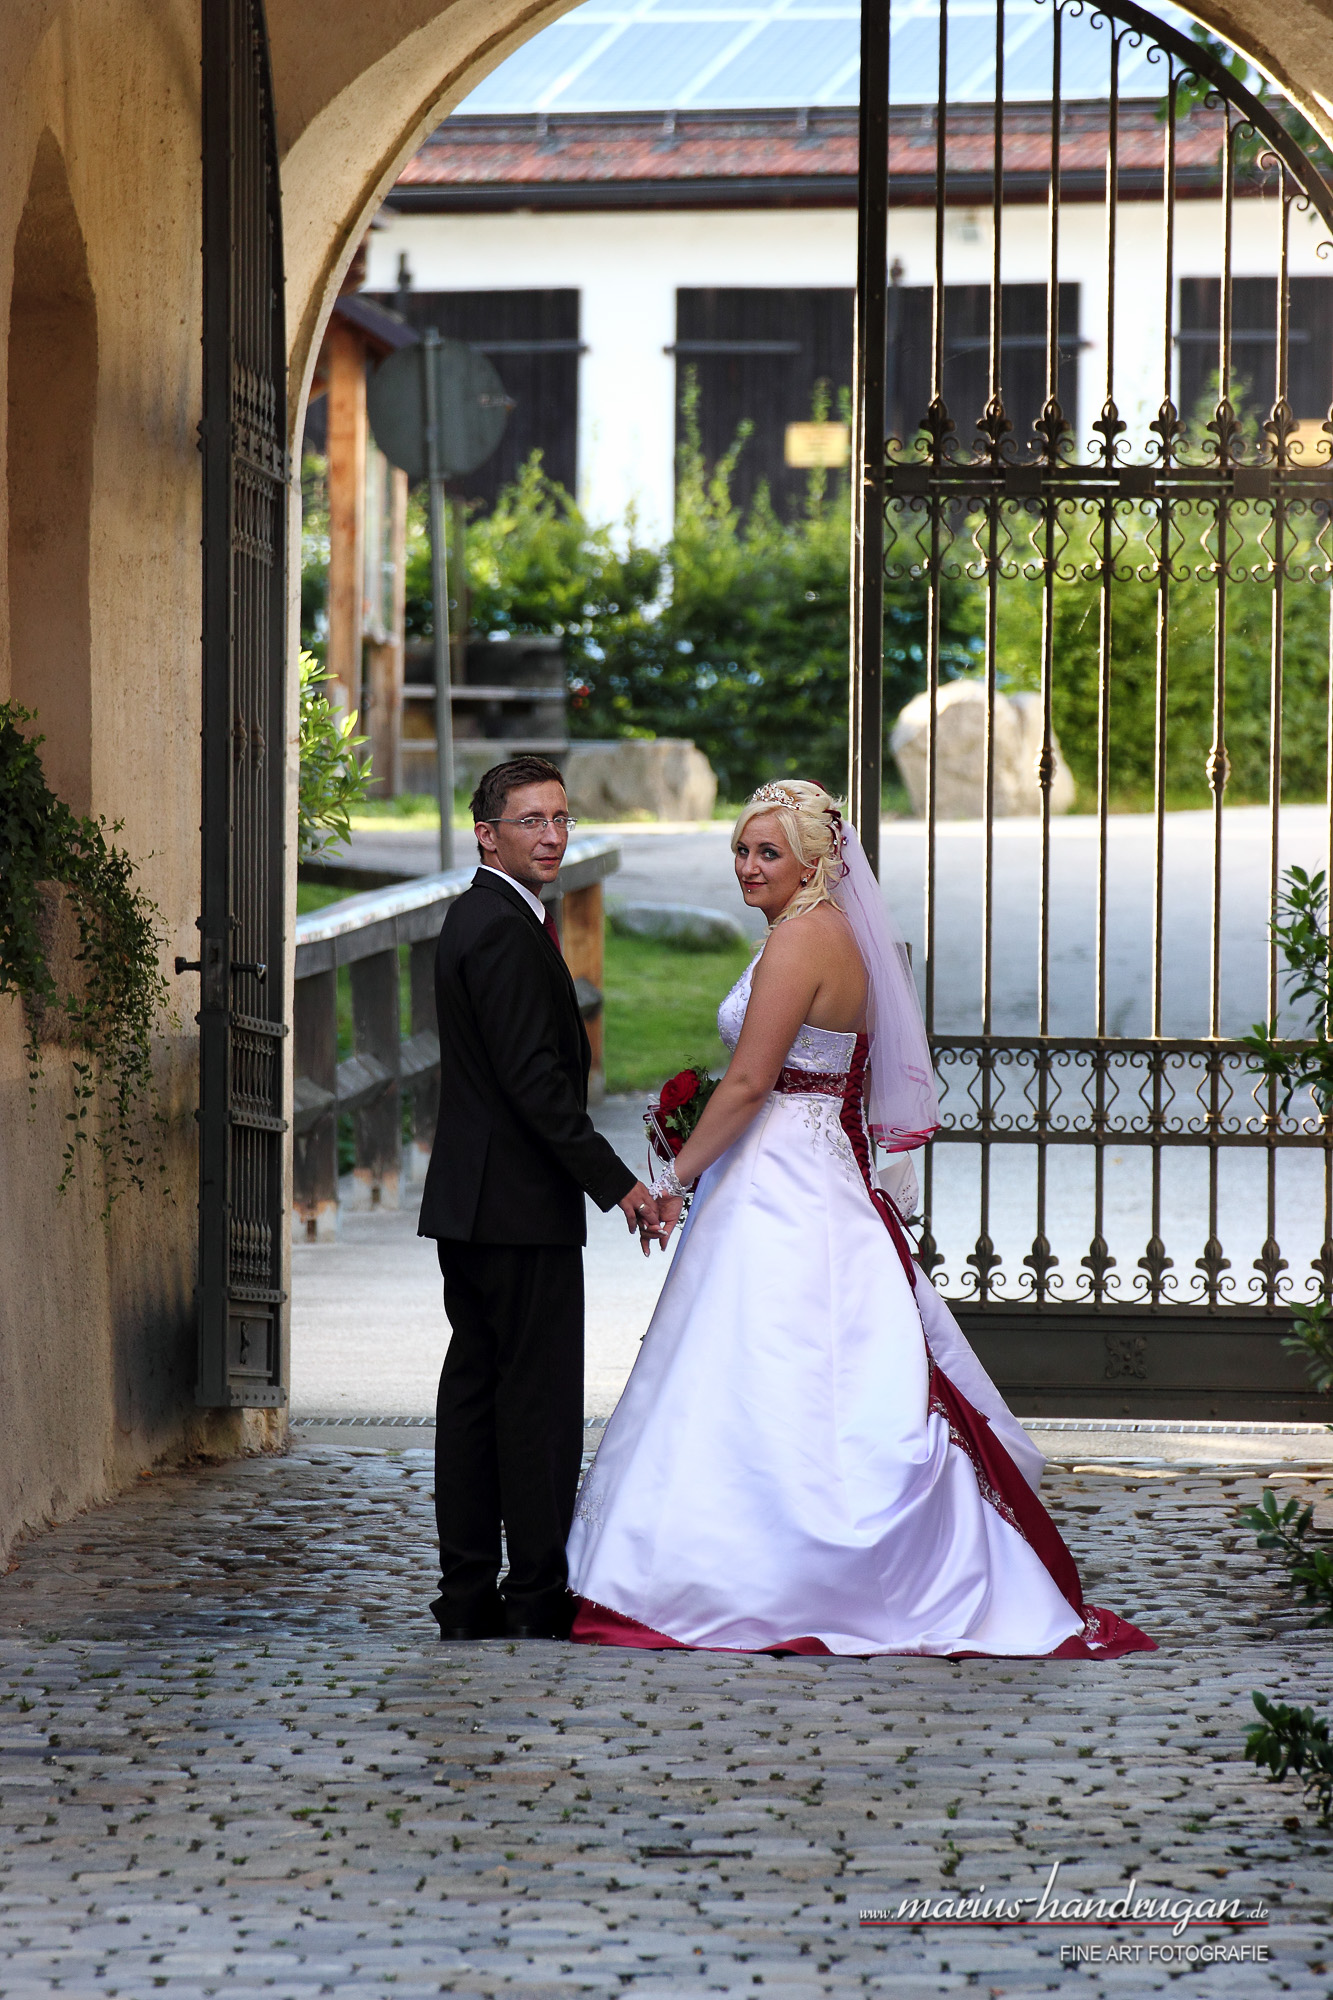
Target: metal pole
<point>462,603</point>
<point>439,595</point>
<point>866,705</point>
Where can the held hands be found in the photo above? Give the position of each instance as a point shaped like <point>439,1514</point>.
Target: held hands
<point>669,1208</point>
<point>643,1214</point>
<point>670,1197</point>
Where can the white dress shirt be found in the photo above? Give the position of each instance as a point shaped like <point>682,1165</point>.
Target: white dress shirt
<point>537,907</point>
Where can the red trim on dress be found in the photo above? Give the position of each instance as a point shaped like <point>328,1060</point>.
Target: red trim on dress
<point>594,1625</point>
<point>810,1082</point>
<point>853,1124</point>
<point>1105,1635</point>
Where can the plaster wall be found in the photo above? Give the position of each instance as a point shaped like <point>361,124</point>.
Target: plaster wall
<point>101,98</point>
<point>96,1322</point>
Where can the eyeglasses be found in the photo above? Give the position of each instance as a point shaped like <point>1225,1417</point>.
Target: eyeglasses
<point>537,823</point>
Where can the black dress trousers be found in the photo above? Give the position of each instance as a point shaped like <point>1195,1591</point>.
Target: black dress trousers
<point>509,1436</point>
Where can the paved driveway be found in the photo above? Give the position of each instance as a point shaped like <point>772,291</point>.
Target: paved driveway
<point>368,1324</point>
<point>693,865</point>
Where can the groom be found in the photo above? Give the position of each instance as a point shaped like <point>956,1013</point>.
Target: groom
<point>514,1154</point>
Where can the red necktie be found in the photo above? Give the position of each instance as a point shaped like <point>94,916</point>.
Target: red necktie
<point>548,924</point>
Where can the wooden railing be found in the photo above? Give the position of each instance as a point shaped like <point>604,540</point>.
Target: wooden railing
<point>369,935</point>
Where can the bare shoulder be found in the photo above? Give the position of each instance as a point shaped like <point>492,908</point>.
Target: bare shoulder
<point>820,938</point>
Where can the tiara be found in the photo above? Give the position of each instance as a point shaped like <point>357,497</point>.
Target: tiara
<point>773,795</point>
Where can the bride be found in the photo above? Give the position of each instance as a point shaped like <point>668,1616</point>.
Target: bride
<point>808,1457</point>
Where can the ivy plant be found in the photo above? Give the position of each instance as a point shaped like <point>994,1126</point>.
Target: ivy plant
<point>49,855</point>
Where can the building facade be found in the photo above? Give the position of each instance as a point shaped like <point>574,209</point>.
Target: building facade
<point>602,257</point>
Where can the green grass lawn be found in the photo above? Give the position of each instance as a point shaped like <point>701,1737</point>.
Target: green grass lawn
<point>317,896</point>
<point>661,1009</point>
<point>409,809</point>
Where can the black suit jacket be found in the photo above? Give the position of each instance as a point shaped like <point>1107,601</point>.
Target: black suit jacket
<point>514,1148</point>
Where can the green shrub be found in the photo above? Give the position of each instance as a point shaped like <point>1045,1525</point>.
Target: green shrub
<point>333,779</point>
<point>1295,1740</point>
<point>1312,1338</point>
<point>1286,1528</point>
<point>748,654</point>
<point>1134,599</point>
<point>1299,928</point>
<point>534,564</point>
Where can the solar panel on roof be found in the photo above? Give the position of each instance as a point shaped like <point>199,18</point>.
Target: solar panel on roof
<point>664,55</point>
<point>786,62</point>
<point>665,61</point>
<point>521,78</point>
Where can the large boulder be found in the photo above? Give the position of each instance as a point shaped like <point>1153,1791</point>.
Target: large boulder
<point>685,925</point>
<point>666,778</point>
<point>960,754</point>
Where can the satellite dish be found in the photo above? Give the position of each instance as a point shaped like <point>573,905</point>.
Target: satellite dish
<point>471,399</point>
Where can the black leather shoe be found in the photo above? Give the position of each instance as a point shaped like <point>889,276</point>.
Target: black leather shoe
<point>545,1619</point>
<point>486,1622</point>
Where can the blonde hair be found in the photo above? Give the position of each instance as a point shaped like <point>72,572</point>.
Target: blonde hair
<point>811,824</point>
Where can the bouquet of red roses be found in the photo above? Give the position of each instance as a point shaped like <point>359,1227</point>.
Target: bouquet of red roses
<point>678,1110</point>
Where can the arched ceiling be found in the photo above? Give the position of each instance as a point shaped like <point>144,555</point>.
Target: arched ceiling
<point>356,89</point>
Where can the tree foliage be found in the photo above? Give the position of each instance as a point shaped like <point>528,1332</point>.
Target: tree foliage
<point>1076,603</point>
<point>734,634</point>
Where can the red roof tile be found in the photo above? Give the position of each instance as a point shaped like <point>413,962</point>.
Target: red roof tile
<point>508,159</point>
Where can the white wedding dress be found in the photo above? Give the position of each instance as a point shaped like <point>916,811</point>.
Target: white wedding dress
<point>808,1456</point>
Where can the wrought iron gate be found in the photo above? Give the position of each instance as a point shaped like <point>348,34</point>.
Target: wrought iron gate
<point>1160,554</point>
<point>242,926</point>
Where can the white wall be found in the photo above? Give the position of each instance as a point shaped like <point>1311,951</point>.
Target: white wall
<point>627,268</point>
<point>1139,276</point>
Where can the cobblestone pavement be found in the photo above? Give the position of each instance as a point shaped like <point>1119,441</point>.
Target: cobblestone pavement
<point>235,1762</point>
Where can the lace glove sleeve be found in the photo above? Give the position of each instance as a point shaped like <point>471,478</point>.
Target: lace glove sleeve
<point>897,1177</point>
